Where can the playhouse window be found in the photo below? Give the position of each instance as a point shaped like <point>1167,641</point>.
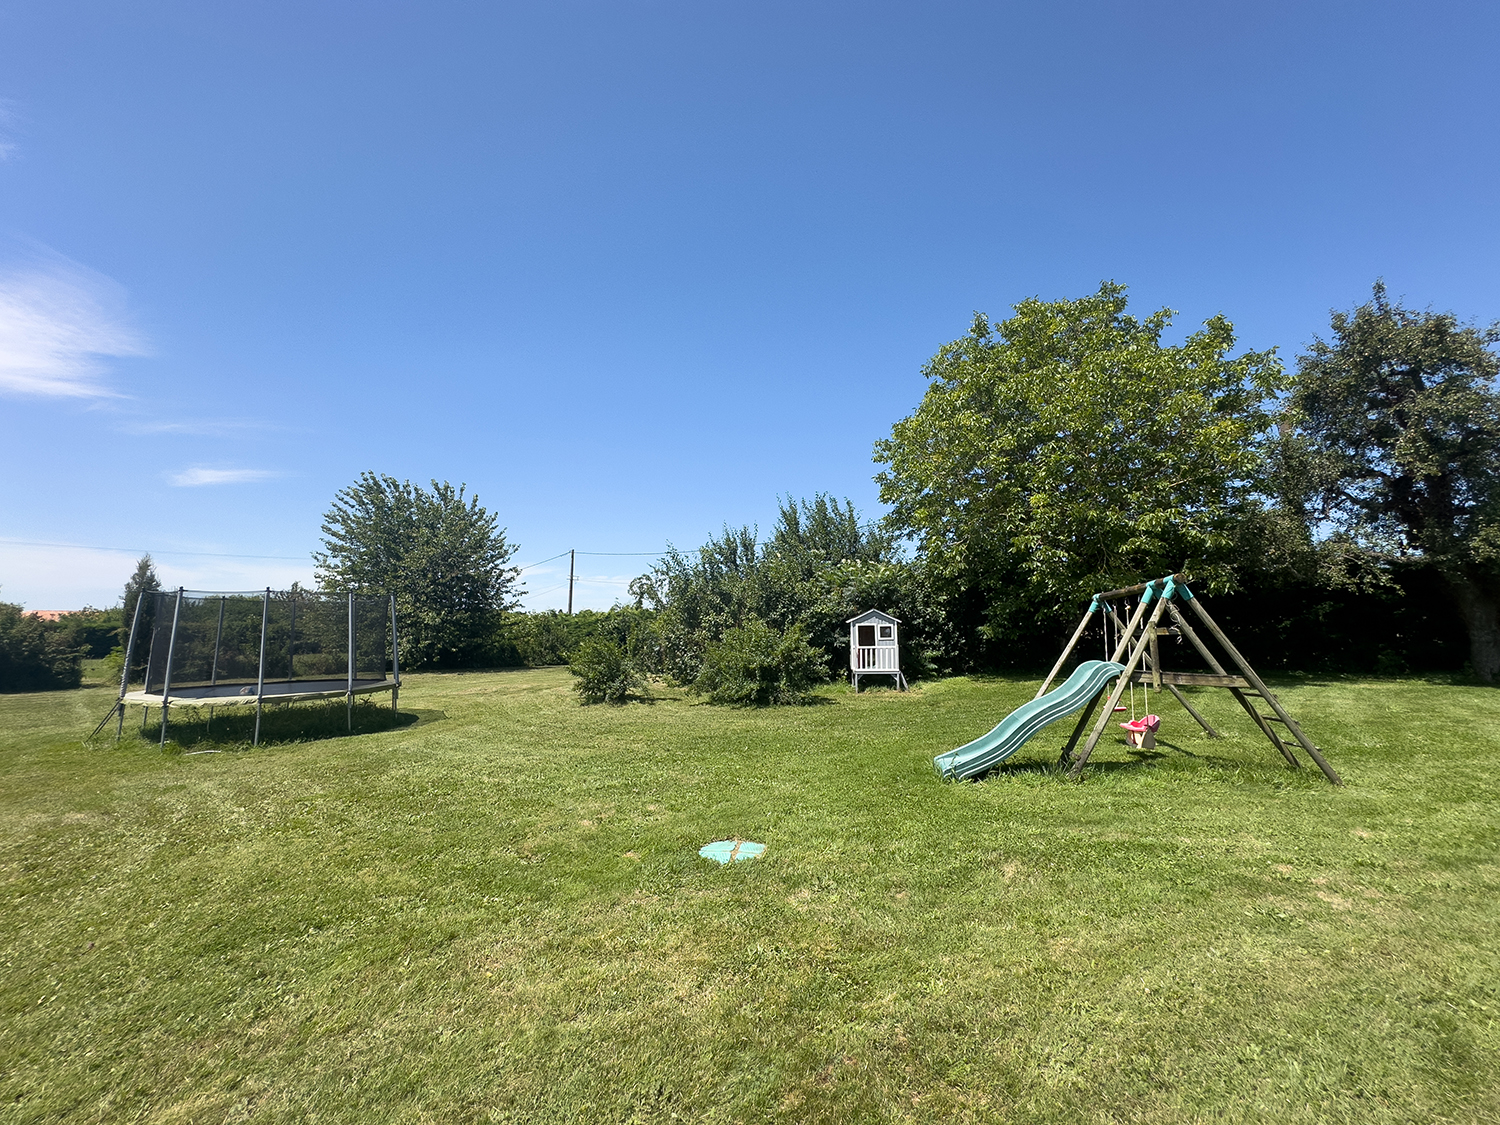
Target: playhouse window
<point>885,632</point>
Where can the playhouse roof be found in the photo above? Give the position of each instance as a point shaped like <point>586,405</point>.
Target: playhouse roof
<point>872,615</point>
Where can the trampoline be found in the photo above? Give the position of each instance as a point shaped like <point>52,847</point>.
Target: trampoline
<point>219,648</point>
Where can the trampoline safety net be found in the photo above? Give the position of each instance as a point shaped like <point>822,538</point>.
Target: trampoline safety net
<point>216,640</point>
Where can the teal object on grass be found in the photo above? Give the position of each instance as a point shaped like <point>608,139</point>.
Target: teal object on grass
<point>731,851</point>
<point>988,751</point>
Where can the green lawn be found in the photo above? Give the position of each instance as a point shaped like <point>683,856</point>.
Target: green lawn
<point>496,912</point>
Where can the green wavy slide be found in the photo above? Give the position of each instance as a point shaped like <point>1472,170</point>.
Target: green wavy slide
<point>988,751</point>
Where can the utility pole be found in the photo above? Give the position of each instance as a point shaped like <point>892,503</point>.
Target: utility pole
<point>570,582</point>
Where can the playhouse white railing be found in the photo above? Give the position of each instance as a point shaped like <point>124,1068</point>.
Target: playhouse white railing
<point>874,658</point>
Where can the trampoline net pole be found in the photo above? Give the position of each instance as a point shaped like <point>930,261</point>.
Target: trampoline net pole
<point>291,641</point>
<point>135,623</point>
<point>166,684</point>
<point>213,678</point>
<point>260,674</point>
<point>350,708</point>
<point>395,658</point>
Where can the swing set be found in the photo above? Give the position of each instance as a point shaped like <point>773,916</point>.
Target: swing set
<point>1139,636</point>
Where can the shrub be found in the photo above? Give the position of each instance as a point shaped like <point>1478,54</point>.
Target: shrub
<point>553,637</point>
<point>605,674</point>
<point>755,665</point>
<point>35,654</point>
<point>94,631</point>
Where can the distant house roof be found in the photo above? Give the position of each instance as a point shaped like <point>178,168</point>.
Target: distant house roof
<point>48,614</point>
<point>873,615</point>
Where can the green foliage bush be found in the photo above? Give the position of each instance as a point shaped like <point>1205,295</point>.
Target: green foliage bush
<point>552,637</point>
<point>547,638</point>
<point>756,665</point>
<point>95,631</point>
<point>35,655</point>
<point>820,566</point>
<point>605,673</point>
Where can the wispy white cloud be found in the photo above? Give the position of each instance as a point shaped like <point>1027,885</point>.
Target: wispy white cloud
<point>59,322</point>
<point>200,475</point>
<point>197,427</point>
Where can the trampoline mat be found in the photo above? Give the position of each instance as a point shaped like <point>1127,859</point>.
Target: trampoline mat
<point>282,691</point>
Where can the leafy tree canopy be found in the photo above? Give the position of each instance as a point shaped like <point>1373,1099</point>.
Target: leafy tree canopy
<point>1393,443</point>
<point>1068,450</point>
<point>736,576</point>
<point>439,552</point>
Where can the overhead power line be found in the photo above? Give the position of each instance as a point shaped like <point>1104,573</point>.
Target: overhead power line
<point>528,566</point>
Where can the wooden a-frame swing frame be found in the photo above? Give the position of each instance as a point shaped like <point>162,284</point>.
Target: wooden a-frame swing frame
<point>1139,637</point>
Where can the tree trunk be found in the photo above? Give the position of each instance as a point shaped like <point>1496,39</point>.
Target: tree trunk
<point>1481,614</point>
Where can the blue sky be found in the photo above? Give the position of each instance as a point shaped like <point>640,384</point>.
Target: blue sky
<point>631,270</point>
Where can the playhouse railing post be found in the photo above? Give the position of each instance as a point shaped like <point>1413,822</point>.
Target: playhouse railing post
<point>166,684</point>
<point>260,673</point>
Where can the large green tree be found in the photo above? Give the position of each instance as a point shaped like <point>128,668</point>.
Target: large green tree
<point>1394,446</point>
<point>439,552</point>
<point>1069,449</point>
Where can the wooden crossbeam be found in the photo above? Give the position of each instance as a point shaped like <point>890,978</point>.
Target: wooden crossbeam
<point>1194,679</point>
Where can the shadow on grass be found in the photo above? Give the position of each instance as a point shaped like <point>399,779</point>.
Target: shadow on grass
<point>507,668</point>
<point>197,729</point>
<point>809,700</point>
<point>1137,759</point>
<point>646,699</point>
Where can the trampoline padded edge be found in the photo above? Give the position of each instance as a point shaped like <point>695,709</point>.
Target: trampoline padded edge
<point>361,687</point>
